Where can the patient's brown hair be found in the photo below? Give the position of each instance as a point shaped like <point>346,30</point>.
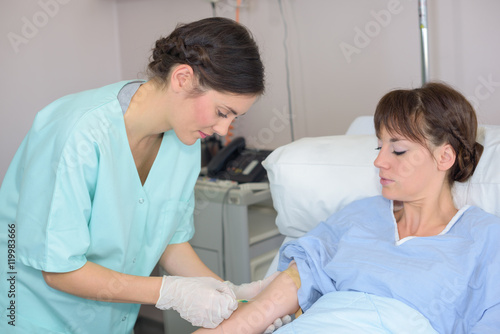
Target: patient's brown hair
<point>436,114</point>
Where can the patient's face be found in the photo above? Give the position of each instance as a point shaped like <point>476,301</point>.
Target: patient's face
<point>408,171</point>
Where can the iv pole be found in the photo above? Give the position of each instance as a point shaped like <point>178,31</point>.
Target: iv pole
<point>422,13</point>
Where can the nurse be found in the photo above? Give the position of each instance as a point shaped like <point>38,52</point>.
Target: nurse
<point>102,189</point>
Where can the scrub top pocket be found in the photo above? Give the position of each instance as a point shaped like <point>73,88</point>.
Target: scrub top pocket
<point>175,224</point>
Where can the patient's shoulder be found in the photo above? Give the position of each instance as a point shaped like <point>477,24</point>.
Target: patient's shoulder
<point>480,228</point>
<point>475,216</point>
<point>368,204</point>
<point>362,210</point>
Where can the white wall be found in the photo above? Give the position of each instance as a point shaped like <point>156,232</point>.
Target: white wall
<point>465,51</point>
<point>50,48</point>
<point>89,43</point>
<point>327,90</point>
<point>343,55</point>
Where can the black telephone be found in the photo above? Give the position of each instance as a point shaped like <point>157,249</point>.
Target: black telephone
<point>234,162</point>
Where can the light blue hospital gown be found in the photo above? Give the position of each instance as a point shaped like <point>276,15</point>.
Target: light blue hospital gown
<point>452,278</point>
<point>73,195</point>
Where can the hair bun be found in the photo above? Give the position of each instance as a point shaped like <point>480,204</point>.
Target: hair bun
<point>477,151</point>
<point>467,161</point>
<point>222,53</point>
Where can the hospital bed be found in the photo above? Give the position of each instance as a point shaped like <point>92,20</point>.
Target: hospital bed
<point>312,178</point>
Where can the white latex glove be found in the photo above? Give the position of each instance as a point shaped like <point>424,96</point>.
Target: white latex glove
<point>278,323</point>
<point>203,301</point>
<point>249,290</point>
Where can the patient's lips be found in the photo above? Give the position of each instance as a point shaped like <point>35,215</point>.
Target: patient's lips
<point>385,182</point>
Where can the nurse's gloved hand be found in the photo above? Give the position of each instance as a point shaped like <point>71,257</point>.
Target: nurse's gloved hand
<point>203,301</point>
<point>249,290</point>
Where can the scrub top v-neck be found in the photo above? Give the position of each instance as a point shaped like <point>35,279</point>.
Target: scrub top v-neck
<point>124,98</point>
<point>74,195</point>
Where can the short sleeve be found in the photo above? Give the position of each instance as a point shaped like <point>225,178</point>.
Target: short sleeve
<point>185,229</point>
<point>56,202</point>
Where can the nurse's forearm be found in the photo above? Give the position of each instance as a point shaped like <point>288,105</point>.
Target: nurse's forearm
<point>182,260</point>
<point>277,300</point>
<point>93,281</point>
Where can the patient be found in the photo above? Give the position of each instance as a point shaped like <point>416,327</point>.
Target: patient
<point>408,261</point>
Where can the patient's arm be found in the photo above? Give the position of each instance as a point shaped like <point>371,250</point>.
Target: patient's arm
<point>275,301</point>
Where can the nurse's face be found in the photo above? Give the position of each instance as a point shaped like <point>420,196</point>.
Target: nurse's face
<point>408,171</point>
<point>209,113</point>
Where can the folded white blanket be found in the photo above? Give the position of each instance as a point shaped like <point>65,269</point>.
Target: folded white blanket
<point>348,312</point>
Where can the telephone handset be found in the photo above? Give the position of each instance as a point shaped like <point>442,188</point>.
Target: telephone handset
<point>234,162</point>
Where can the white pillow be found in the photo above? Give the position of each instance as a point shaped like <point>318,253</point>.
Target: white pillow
<point>312,178</point>
<point>483,188</point>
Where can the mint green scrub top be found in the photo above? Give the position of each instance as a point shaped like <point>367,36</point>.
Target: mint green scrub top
<point>72,194</point>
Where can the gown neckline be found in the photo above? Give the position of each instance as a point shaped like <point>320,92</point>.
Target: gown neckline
<point>450,224</point>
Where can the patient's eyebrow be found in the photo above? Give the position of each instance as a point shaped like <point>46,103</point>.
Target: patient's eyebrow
<point>392,140</point>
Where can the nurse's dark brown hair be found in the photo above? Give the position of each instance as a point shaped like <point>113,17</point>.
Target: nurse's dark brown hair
<point>221,52</point>
<point>435,114</point>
